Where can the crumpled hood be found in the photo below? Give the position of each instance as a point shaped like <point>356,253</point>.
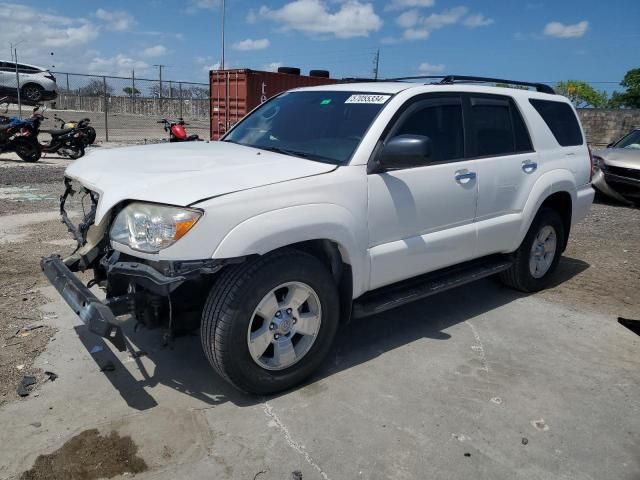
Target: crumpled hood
<point>620,157</point>
<point>184,173</point>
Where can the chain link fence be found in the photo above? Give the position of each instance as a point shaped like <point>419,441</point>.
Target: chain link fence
<point>121,109</point>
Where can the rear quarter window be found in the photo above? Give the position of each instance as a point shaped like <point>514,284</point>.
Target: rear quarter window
<point>561,120</point>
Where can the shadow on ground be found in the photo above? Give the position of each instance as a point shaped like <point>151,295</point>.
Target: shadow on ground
<point>183,367</point>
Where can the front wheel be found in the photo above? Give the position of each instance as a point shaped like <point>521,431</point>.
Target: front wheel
<point>270,322</point>
<point>538,255</point>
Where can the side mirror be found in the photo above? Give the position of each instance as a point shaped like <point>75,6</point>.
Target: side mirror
<point>611,144</point>
<point>405,151</point>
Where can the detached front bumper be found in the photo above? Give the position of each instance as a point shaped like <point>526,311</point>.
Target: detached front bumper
<point>95,314</point>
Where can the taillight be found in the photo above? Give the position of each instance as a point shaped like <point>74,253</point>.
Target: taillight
<point>591,166</point>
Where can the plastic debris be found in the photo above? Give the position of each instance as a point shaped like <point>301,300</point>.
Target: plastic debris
<point>633,325</point>
<point>96,349</point>
<point>19,367</point>
<point>296,475</point>
<point>24,386</point>
<point>52,376</point>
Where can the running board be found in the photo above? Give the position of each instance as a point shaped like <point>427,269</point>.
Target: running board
<point>408,291</point>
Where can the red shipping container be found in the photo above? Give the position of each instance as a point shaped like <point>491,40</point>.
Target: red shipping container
<point>234,93</point>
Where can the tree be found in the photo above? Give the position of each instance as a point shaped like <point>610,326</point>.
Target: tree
<point>631,97</point>
<point>131,91</point>
<point>95,88</point>
<point>582,94</point>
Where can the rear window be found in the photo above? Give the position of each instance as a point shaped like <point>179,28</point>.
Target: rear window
<point>561,120</point>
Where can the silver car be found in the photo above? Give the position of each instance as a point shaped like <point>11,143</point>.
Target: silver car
<point>36,83</point>
<point>617,168</point>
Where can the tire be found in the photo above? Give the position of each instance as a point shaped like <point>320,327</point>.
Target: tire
<point>289,70</point>
<point>32,92</point>
<point>521,276</point>
<point>91,136</point>
<point>231,316</point>
<point>319,73</point>
<point>27,151</point>
<point>75,152</point>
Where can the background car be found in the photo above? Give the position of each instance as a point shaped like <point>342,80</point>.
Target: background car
<point>617,168</point>
<point>36,83</point>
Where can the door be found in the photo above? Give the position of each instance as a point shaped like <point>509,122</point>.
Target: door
<point>7,79</point>
<point>507,168</point>
<point>421,219</point>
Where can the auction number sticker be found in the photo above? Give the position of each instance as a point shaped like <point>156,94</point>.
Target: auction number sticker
<point>377,99</point>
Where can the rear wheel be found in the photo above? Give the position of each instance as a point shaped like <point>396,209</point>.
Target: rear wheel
<point>270,322</point>
<point>537,257</point>
<point>91,135</point>
<point>28,151</point>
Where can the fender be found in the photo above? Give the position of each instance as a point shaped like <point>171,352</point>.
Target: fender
<point>557,180</point>
<point>271,230</point>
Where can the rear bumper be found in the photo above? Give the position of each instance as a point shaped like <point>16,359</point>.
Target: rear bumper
<point>582,204</point>
<point>95,314</point>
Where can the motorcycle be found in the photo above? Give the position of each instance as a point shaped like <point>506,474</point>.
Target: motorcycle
<point>13,138</point>
<point>68,142</point>
<point>83,125</point>
<point>177,132</point>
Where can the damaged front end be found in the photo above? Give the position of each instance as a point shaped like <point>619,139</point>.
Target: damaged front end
<point>153,292</point>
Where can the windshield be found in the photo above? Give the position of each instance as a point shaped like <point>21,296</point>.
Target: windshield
<point>320,125</point>
<point>631,141</point>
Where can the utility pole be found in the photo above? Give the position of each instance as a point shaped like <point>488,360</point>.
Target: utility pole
<point>222,31</point>
<point>14,54</point>
<point>160,67</point>
<point>376,64</point>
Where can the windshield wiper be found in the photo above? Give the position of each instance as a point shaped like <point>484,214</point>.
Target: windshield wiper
<point>286,151</point>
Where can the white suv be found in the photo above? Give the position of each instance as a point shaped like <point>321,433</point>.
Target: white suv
<point>36,84</point>
<point>323,204</point>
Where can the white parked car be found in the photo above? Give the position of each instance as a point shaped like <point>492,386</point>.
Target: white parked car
<point>323,204</point>
<point>36,84</point>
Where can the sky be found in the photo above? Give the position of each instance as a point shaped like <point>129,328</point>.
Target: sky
<point>544,41</point>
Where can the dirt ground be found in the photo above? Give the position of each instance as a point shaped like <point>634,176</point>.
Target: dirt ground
<point>600,268</point>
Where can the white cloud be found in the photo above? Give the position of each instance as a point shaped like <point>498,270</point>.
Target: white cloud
<point>155,51</point>
<point>560,30</point>
<point>117,20</point>
<point>352,19</point>
<point>203,5</point>
<point>402,4</point>
<point>431,69</point>
<point>250,44</point>
<point>40,34</point>
<point>408,19</point>
<point>423,26</point>
<point>418,27</point>
<point>477,20</point>
<point>120,65</point>
<point>273,66</point>
<point>214,66</point>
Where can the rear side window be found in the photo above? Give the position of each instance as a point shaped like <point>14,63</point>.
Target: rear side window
<point>561,120</point>
<point>497,127</point>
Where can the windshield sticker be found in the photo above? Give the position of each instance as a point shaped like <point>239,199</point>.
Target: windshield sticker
<point>368,99</point>
<point>326,101</point>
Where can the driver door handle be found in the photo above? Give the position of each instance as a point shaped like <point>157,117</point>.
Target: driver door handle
<point>464,176</point>
<point>529,166</point>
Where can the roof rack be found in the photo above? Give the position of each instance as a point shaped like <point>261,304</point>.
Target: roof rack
<point>450,79</point>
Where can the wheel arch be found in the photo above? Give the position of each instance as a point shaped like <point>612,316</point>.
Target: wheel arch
<point>327,231</point>
<point>562,203</point>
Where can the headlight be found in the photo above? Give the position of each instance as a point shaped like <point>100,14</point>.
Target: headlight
<point>150,228</point>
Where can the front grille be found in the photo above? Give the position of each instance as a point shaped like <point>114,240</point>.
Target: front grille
<point>624,172</point>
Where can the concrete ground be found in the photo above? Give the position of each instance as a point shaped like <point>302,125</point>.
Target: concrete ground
<point>478,382</point>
